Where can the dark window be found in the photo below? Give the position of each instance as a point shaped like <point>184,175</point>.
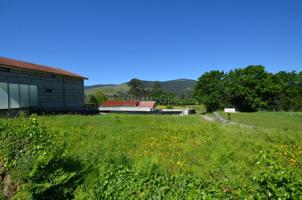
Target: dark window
<point>48,90</point>
<point>4,69</point>
<point>54,76</point>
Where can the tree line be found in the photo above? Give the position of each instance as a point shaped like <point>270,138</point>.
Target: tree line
<point>250,89</point>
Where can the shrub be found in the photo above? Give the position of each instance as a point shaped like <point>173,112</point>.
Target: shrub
<point>276,181</point>
<point>36,158</point>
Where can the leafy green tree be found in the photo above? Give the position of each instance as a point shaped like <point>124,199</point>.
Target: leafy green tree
<point>188,101</point>
<point>136,88</point>
<point>91,99</point>
<point>251,88</point>
<point>156,86</point>
<point>100,96</point>
<point>156,92</point>
<point>290,96</point>
<point>209,90</point>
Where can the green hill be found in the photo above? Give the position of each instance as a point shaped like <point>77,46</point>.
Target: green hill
<point>109,90</point>
<point>178,87</point>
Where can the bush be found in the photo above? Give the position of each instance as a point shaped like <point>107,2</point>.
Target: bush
<point>275,181</point>
<point>35,157</point>
<point>169,107</point>
<point>22,141</point>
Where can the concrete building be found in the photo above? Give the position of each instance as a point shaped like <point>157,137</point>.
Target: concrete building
<point>38,87</point>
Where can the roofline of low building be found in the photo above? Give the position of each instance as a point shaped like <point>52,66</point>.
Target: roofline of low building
<point>12,63</point>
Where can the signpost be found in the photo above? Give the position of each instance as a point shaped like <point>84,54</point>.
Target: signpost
<point>229,111</point>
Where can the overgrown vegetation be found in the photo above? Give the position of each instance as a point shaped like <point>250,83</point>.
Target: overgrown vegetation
<point>148,157</point>
<point>96,98</point>
<point>250,89</point>
<point>36,159</point>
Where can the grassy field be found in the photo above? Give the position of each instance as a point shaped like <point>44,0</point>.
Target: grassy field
<point>168,157</point>
<point>270,120</point>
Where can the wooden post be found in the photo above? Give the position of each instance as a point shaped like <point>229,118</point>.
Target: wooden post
<point>229,116</point>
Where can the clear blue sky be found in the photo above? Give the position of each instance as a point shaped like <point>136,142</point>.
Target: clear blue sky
<point>112,41</point>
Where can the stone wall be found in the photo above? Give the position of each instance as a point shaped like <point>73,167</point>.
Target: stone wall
<point>55,92</point>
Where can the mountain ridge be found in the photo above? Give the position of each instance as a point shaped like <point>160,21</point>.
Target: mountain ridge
<point>177,86</point>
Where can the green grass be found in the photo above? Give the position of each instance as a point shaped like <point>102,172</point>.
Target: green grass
<point>177,144</point>
<point>270,120</point>
<point>227,158</point>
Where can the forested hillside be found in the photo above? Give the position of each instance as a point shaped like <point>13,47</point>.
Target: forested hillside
<point>178,87</point>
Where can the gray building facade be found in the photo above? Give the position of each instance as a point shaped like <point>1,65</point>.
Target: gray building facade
<point>40,88</point>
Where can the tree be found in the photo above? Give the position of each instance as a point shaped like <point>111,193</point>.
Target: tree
<point>156,92</point>
<point>136,88</point>
<point>209,90</point>
<point>100,96</point>
<point>251,88</point>
<point>156,86</point>
<point>290,96</point>
<point>91,99</point>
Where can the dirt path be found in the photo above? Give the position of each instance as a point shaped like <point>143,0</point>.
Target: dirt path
<point>219,118</point>
<point>208,118</point>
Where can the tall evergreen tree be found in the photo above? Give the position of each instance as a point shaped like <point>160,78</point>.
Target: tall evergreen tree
<point>136,88</point>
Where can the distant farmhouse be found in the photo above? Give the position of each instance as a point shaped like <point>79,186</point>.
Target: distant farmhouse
<point>38,87</point>
<point>128,106</point>
<point>139,107</point>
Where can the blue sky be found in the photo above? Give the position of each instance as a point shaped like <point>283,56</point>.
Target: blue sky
<point>112,41</point>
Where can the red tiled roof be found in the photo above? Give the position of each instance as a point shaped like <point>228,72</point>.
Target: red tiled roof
<point>150,104</point>
<point>112,103</point>
<point>36,67</point>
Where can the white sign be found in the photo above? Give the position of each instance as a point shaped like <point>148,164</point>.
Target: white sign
<point>229,110</point>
